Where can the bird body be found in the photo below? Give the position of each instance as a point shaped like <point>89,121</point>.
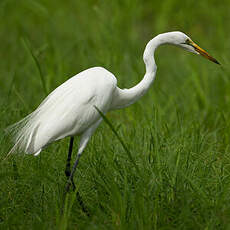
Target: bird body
<point>71,108</point>
<point>68,110</point>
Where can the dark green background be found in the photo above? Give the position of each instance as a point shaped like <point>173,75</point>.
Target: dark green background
<point>178,133</point>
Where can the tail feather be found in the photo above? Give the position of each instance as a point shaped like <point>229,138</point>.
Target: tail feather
<point>23,133</point>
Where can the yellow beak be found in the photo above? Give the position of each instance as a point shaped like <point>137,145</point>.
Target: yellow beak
<point>203,52</point>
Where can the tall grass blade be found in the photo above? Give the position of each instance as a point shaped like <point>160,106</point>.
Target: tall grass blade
<point>119,138</point>
<point>28,47</point>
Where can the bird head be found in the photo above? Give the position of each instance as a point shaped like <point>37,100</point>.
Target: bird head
<point>182,40</point>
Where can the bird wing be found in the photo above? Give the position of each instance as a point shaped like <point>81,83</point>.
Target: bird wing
<point>67,111</point>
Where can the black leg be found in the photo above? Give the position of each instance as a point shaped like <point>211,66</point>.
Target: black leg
<point>67,169</point>
<point>71,175</point>
<point>70,181</point>
<point>73,170</point>
<point>70,178</point>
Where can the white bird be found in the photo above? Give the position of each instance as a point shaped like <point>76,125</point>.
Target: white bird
<point>70,109</point>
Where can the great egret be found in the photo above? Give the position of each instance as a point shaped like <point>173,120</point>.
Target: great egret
<point>70,109</point>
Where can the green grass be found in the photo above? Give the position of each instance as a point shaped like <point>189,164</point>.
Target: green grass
<point>174,172</point>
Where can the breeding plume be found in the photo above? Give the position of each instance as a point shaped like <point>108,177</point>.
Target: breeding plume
<point>70,110</point>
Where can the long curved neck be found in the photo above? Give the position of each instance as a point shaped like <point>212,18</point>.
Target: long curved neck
<point>134,93</point>
<point>127,97</point>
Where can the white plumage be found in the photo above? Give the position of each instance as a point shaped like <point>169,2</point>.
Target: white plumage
<point>70,109</point>
<point>66,110</point>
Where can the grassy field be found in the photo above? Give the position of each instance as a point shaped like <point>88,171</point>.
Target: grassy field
<point>178,134</point>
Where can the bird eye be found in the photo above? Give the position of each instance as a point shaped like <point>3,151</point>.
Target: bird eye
<point>187,41</point>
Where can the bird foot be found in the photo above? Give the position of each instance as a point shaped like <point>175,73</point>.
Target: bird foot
<point>67,187</point>
<point>74,187</point>
<point>68,184</point>
<point>67,173</point>
<point>79,199</point>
